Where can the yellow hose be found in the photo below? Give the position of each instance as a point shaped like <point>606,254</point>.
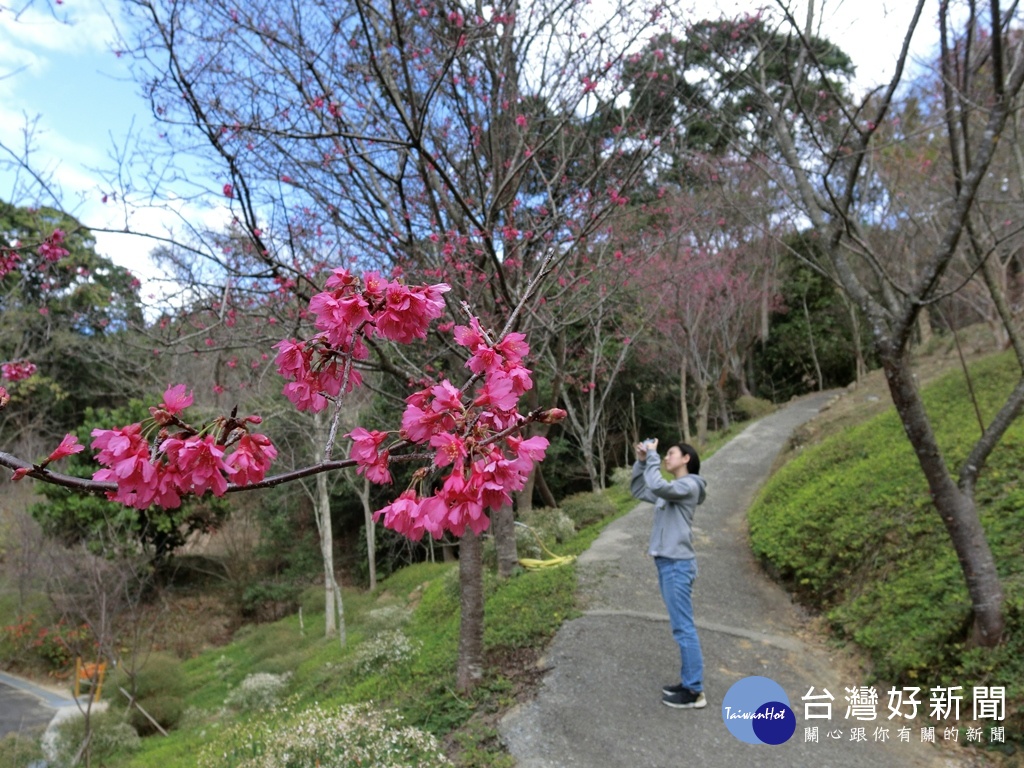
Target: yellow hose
<point>552,561</point>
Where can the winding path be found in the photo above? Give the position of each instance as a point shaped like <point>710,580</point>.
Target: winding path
<point>600,702</point>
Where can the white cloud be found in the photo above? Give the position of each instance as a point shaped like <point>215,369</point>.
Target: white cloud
<point>84,26</point>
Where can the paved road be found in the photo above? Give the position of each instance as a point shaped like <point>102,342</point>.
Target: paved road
<point>600,703</point>
<point>27,707</point>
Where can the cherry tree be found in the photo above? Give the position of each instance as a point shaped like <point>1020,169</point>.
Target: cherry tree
<point>439,144</point>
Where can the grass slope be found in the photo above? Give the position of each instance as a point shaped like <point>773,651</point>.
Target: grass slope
<point>848,525</point>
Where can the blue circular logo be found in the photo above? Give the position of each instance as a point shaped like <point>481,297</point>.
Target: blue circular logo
<point>756,710</point>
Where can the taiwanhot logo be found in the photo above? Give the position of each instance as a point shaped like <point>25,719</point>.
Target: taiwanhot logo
<point>756,710</point>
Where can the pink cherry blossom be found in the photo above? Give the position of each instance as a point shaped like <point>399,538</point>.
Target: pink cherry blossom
<point>251,459</point>
<point>51,249</point>
<point>471,336</point>
<point>446,398</point>
<point>513,348</point>
<point>201,463</point>
<point>176,399</point>
<point>408,311</point>
<point>68,447</point>
<point>404,515</point>
<point>365,444</point>
<point>116,445</point>
<point>18,370</point>
<point>418,425</point>
<point>497,392</point>
<point>451,449</point>
<point>464,505</point>
<point>305,396</point>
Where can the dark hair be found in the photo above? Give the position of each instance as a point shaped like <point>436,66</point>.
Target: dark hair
<point>693,464</point>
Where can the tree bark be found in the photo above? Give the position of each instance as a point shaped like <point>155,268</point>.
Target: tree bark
<point>684,409</point>
<point>503,525</point>
<point>470,667</point>
<point>334,612</point>
<point>371,532</point>
<point>703,409</point>
<point>957,509</point>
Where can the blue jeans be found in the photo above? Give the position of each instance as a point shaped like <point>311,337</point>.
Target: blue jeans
<point>675,578</point>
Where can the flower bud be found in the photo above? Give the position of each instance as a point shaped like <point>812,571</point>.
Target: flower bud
<point>550,416</point>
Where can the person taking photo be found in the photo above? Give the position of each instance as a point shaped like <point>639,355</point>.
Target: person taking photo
<point>671,546</point>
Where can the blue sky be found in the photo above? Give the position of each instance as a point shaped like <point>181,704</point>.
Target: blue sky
<point>56,63</point>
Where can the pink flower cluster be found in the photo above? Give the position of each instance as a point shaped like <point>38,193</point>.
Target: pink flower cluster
<point>348,310</point>
<point>477,438</point>
<point>185,462</point>
<point>9,260</point>
<point>17,370</point>
<point>51,249</point>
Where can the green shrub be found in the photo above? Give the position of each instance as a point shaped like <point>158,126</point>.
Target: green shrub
<point>270,600</point>
<point>166,710</point>
<point>751,407</point>
<point>19,750</point>
<point>587,508</point>
<point>622,476</point>
<point>553,526</point>
<point>346,737</point>
<point>156,674</point>
<point>111,737</point>
<point>258,692</point>
<point>385,652</point>
<point>159,686</point>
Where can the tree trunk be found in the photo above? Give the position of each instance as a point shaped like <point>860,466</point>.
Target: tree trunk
<point>371,533</point>
<point>470,666</point>
<point>503,526</point>
<point>958,511</point>
<point>684,409</point>
<point>810,341</point>
<point>542,487</point>
<point>858,343</point>
<point>924,327</point>
<point>703,408</point>
<point>524,498</point>
<point>334,612</point>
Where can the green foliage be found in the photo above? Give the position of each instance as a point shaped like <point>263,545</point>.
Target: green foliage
<point>48,311</point>
<point>811,325</point>
<point>587,508</point>
<point>850,527</point>
<point>401,650</point>
<point>30,642</point>
<point>753,407</point>
<point>258,692</point>
<point>270,599</point>
<point>73,517</point>
<point>20,750</point>
<point>111,738</point>
<point>158,685</point>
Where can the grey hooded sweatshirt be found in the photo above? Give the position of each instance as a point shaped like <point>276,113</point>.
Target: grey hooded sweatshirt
<point>674,501</point>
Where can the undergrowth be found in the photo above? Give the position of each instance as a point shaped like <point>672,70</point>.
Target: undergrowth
<point>399,661</point>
